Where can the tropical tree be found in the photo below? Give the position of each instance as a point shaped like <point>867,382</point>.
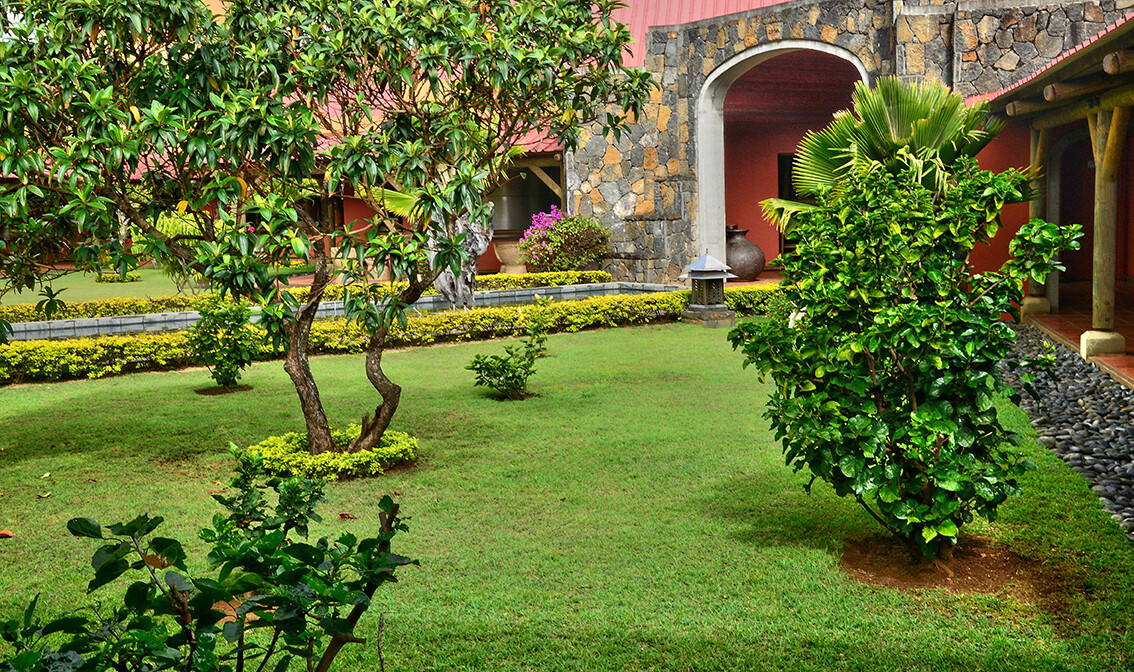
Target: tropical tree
<point>925,119</point>
<point>119,114</point>
<point>885,361</point>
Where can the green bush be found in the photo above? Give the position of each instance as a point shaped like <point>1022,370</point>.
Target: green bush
<point>44,360</point>
<point>224,341</point>
<point>174,304</point>
<point>508,373</point>
<point>288,455</point>
<point>752,299</point>
<point>885,363</point>
<point>114,278</point>
<point>563,243</point>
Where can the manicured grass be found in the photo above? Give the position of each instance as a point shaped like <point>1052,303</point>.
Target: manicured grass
<point>634,516</point>
<point>82,287</point>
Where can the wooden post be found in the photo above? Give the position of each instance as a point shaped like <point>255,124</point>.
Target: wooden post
<point>1108,140</point>
<point>1037,302</point>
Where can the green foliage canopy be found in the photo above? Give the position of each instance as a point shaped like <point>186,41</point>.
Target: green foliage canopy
<point>118,115</point>
<point>885,360</point>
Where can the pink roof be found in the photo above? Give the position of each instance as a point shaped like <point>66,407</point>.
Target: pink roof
<point>641,15</point>
<point>993,95</point>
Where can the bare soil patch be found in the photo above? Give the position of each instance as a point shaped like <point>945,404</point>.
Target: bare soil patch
<point>978,566</point>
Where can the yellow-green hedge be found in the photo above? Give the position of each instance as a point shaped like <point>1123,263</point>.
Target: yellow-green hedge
<point>287,455</point>
<point>173,304</point>
<point>29,361</point>
<point>115,278</point>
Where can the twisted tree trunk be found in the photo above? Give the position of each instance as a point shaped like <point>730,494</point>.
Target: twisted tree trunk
<point>373,430</point>
<point>299,368</point>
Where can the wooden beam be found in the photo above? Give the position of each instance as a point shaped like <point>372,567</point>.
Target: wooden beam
<point>546,179</point>
<point>1118,62</point>
<point>1122,96</point>
<point>1115,142</point>
<point>1019,108</point>
<point>1062,116</point>
<point>1065,91</point>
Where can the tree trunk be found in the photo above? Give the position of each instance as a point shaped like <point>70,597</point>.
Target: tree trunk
<point>297,365</point>
<point>372,430</point>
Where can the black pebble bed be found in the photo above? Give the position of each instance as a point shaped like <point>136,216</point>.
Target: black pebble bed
<point>1087,419</point>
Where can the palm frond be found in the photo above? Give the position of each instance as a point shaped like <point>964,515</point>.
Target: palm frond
<point>781,211</point>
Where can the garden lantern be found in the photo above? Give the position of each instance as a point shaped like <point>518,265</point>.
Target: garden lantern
<point>707,306</point>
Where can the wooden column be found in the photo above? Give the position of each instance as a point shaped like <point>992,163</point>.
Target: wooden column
<point>1038,301</point>
<point>1108,138</point>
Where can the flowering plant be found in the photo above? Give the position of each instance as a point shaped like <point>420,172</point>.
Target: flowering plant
<point>559,242</point>
<point>535,244</point>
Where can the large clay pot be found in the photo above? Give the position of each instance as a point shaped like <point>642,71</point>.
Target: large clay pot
<point>508,252</point>
<point>744,256</point>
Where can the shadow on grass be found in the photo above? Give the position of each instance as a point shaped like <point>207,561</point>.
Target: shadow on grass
<point>773,508</point>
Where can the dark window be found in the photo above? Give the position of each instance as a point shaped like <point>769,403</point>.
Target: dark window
<point>786,191</point>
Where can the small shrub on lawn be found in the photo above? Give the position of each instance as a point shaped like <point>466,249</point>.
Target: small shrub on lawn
<point>288,455</point>
<point>289,602</point>
<point>508,373</point>
<point>224,341</point>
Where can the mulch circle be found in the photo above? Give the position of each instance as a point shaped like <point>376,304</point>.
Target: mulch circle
<point>213,391</point>
<point>978,566</point>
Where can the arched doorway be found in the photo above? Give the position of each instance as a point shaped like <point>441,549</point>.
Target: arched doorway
<point>752,109</point>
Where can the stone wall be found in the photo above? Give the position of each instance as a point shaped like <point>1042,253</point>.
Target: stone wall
<point>644,188</point>
<point>994,46</point>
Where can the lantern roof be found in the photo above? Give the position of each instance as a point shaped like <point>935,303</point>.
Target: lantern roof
<point>707,267</point>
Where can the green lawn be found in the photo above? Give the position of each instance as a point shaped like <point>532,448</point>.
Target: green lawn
<point>82,287</point>
<point>634,516</point>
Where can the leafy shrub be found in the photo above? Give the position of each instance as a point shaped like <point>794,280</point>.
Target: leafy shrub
<point>508,373</point>
<point>116,278</point>
<point>223,340</point>
<point>173,304</point>
<point>558,242</point>
<point>535,244</point>
<point>537,321</point>
<point>885,361</point>
<point>46,360</point>
<point>753,299</point>
<point>287,601</point>
<point>288,455</point>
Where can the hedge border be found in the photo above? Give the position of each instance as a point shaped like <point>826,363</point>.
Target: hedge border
<point>27,312</point>
<point>45,360</point>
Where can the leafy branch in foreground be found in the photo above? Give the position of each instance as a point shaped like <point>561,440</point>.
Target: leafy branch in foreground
<point>272,600</point>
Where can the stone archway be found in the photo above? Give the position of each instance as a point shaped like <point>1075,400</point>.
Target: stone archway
<point>709,230</point>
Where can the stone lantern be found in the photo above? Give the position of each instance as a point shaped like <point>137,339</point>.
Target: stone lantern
<point>707,306</point>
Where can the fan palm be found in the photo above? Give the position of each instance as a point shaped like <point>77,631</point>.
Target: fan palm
<point>890,124</point>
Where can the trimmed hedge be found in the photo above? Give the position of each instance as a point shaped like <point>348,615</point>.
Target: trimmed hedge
<point>27,312</point>
<point>30,361</point>
<point>115,278</point>
<point>287,455</point>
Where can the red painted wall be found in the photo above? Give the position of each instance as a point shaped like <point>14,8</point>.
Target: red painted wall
<point>752,174</point>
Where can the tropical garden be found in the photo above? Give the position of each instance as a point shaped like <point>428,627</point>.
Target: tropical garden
<point>606,488</point>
